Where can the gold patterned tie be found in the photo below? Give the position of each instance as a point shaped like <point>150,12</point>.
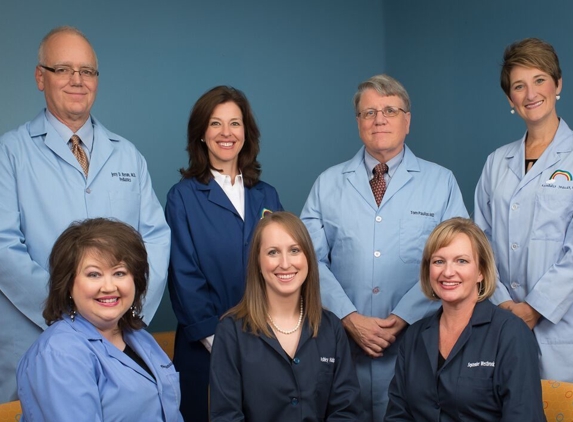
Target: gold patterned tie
<point>377,183</point>
<point>79,153</point>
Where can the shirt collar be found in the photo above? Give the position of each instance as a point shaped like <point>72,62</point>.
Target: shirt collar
<point>86,132</point>
<point>223,179</point>
<point>371,162</point>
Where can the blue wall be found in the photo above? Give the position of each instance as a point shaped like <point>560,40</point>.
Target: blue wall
<point>448,54</point>
<point>299,63</point>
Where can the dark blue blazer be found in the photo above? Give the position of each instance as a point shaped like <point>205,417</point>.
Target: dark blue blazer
<point>209,250</point>
<point>491,374</point>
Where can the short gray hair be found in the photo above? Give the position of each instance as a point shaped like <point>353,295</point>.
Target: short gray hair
<point>58,30</point>
<point>386,86</point>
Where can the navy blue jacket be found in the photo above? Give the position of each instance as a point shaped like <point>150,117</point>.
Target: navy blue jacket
<point>491,374</point>
<point>253,379</point>
<point>209,251</point>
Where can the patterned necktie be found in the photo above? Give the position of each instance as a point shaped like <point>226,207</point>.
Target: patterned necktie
<point>377,183</point>
<point>79,153</point>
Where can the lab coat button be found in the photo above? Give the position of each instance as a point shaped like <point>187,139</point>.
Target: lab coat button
<point>294,401</point>
<point>378,219</point>
<point>514,207</point>
<point>514,246</point>
<point>515,285</point>
<point>375,290</point>
<point>88,190</point>
<point>377,254</point>
<point>296,361</point>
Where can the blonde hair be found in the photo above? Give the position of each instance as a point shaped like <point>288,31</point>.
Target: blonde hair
<point>442,236</point>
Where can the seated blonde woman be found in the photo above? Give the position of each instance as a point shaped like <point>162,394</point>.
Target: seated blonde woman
<point>470,361</point>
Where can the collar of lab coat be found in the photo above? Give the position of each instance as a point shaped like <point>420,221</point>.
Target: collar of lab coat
<point>87,329</point>
<point>562,144</point>
<point>357,176</point>
<point>305,335</point>
<point>253,202</point>
<point>102,148</point>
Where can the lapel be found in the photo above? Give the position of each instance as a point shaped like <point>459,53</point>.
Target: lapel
<point>40,126</point>
<point>402,175</point>
<point>430,337</point>
<point>357,176</point>
<point>102,149</point>
<point>217,196</point>
<point>253,203</point>
<point>81,325</point>
<point>482,314</point>
<point>548,160</point>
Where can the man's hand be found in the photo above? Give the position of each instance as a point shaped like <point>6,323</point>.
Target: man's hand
<point>373,334</point>
<point>522,310</point>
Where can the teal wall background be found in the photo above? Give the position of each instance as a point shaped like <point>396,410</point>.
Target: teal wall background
<point>299,63</point>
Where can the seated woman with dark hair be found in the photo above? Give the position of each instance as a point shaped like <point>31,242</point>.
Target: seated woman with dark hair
<point>470,361</point>
<point>94,362</point>
<point>278,355</point>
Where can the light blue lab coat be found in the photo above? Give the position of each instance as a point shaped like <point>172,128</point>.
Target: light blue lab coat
<point>72,373</point>
<point>369,256</point>
<point>42,190</point>
<point>529,221</point>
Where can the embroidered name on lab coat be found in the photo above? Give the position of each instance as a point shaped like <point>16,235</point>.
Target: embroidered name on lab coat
<point>481,363</point>
<point>327,360</point>
<point>123,176</point>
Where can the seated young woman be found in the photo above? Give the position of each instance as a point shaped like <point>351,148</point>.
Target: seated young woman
<point>278,355</point>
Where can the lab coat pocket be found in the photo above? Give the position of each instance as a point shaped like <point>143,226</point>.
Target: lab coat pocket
<point>413,234</point>
<point>171,396</point>
<point>553,213</point>
<point>125,207</point>
<point>322,393</point>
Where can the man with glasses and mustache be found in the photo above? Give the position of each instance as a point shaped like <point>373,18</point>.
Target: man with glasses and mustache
<point>64,166</point>
<point>369,219</point>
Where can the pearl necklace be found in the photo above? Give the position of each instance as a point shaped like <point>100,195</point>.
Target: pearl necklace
<point>295,328</point>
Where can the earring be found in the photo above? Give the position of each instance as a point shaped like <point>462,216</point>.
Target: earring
<point>558,97</point>
<point>512,111</point>
<point>133,313</point>
<point>202,140</point>
<point>72,311</point>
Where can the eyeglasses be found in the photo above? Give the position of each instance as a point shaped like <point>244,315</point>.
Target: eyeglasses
<point>68,72</point>
<point>371,113</point>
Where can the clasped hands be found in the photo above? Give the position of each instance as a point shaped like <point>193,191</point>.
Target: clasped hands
<point>373,334</point>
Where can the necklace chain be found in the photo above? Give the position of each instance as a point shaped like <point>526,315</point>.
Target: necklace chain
<point>280,330</point>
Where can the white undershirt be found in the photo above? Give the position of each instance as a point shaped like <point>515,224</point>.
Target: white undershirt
<point>235,192</point>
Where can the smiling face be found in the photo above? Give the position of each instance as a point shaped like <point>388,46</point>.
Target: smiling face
<point>225,137</point>
<point>283,264</point>
<point>69,99</point>
<point>533,94</point>
<point>455,272</point>
<point>102,294</point>
<point>383,137</point>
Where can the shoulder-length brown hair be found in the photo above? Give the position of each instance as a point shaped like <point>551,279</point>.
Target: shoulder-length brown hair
<point>199,165</point>
<point>114,242</point>
<point>442,236</point>
<point>253,307</point>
